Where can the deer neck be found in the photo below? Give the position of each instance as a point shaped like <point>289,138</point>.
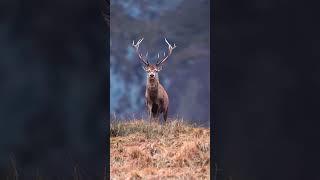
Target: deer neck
<point>152,85</point>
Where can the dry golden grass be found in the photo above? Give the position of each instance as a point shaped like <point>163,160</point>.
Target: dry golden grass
<point>144,150</point>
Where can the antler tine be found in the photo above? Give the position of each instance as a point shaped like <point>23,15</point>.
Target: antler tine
<point>136,47</point>
<point>170,48</point>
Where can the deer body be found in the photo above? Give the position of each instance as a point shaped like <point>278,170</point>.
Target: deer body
<point>157,99</point>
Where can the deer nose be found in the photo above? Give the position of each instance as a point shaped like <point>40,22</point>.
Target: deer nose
<point>151,75</point>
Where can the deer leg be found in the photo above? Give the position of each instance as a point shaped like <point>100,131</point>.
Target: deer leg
<point>165,115</point>
<point>149,107</point>
<point>154,116</point>
<point>158,117</point>
<point>155,112</point>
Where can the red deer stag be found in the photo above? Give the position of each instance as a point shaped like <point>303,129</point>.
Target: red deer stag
<point>157,99</point>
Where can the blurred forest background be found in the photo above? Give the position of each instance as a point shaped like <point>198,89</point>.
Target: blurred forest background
<point>186,74</point>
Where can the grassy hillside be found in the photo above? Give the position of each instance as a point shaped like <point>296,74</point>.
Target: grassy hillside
<point>144,150</point>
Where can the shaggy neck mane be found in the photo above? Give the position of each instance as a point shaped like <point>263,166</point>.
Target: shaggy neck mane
<point>152,86</point>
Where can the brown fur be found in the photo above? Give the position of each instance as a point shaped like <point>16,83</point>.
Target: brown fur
<point>157,99</point>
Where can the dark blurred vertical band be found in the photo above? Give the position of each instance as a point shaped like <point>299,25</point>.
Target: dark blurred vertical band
<point>107,102</point>
<point>54,89</point>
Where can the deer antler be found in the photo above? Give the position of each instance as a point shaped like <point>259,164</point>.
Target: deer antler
<point>136,47</point>
<point>170,48</point>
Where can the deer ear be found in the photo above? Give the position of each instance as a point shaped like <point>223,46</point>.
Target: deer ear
<point>159,68</point>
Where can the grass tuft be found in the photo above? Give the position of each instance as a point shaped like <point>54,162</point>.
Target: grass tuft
<point>150,130</point>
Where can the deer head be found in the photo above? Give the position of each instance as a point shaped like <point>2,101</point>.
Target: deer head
<point>153,69</point>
